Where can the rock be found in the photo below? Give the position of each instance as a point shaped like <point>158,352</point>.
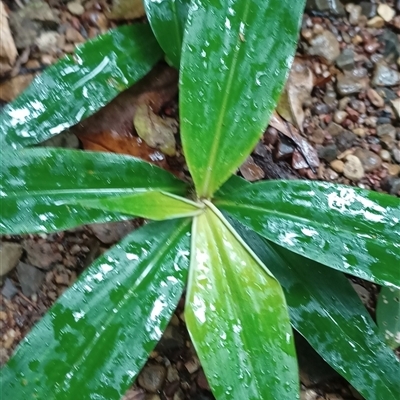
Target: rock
<point>345,61</point>
<point>111,232</point>
<point>385,76</point>
<point>393,170</point>
<point>326,46</point>
<point>172,343</point>
<point>30,278</point>
<point>283,150</point>
<point>317,136</point>
<point>392,185</point>
<point>9,290</point>
<point>251,171</point>
<point>396,107</point>
<point>355,12</point>
<point>333,7</point>
<point>10,89</point>
<point>328,153</point>
<point>376,22</point>
<point>368,9</point>
<point>385,155</point>
<point>387,142</point>
<point>152,377</point>
<point>340,116</point>
<point>345,140</point>
<point>386,12</point>
<point>10,253</point>
<point>47,42</point>
<point>334,129</point>
<point>73,36</point>
<point>41,254</point>
<point>360,132</point>
<point>369,160</point>
<point>75,8</point>
<point>386,129</point>
<point>375,98</point>
<point>396,155</point>
<point>192,365</point>
<point>351,82</point>
<point>353,168</point>
<point>321,109</point>
<point>271,136</point>
<point>337,166</point>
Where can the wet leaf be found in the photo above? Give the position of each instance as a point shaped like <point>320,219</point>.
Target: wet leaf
<point>156,131</point>
<point>349,229</point>
<point>96,338</point>
<point>297,90</point>
<point>232,74</point>
<point>237,318</point>
<point>388,315</point>
<point>113,142</point>
<point>78,85</point>
<point>167,19</point>
<point>308,152</point>
<point>153,204</point>
<point>38,185</point>
<point>126,9</point>
<point>326,310</point>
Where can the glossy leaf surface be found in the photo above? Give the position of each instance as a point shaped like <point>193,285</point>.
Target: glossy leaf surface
<point>96,338</point>
<point>388,315</point>
<point>235,59</point>
<point>36,186</point>
<point>152,204</point>
<point>349,229</point>
<point>167,19</point>
<point>237,318</point>
<point>326,310</point>
<point>77,86</point>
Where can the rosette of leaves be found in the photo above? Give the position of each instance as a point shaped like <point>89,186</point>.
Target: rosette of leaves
<point>258,260</point>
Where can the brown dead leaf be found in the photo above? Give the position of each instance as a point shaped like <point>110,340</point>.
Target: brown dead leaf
<point>11,88</point>
<point>307,151</point>
<point>297,91</point>
<point>126,9</point>
<point>8,51</point>
<point>251,171</point>
<point>111,141</point>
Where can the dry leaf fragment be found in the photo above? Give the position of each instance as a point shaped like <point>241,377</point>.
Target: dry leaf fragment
<point>8,51</point>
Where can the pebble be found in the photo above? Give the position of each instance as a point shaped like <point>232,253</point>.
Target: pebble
<point>328,153</point>
<point>73,36</point>
<point>396,107</point>
<point>392,185</point>
<point>353,168</point>
<point>337,166</point>
<point>386,12</point>
<point>355,12</point>
<point>387,142</point>
<point>396,155</point>
<point>385,76</point>
<point>30,278</point>
<point>251,171</point>
<point>345,61</point>
<point>9,290</point>
<point>308,394</point>
<point>75,8</point>
<point>376,22</point>
<point>386,129</point>
<point>360,132</point>
<point>152,377</point>
<point>375,98</point>
<point>369,160</point>
<point>345,140</point>
<point>339,116</point>
<point>325,45</point>
<point>350,83</point>
<point>47,42</point>
<point>393,169</point>
<point>10,253</point>
<point>385,155</point>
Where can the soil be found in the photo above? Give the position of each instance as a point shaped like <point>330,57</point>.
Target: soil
<point>348,113</point>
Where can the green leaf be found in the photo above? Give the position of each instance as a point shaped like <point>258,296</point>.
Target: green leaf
<point>79,85</point>
<point>235,59</point>
<point>167,19</point>
<point>326,310</point>
<point>237,318</point>
<point>349,229</point>
<point>153,205</point>
<point>388,315</point>
<point>96,338</point>
<point>38,185</point>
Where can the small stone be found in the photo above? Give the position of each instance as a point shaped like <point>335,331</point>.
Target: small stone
<point>396,155</point>
<point>337,166</point>
<point>386,12</point>
<point>396,107</point>
<point>334,129</point>
<point>392,185</point>
<point>360,132</point>
<point>350,83</point>
<point>353,168</point>
<point>192,365</point>
<point>10,253</point>
<point>308,394</point>
<point>73,36</point>
<point>326,46</point>
<point>9,290</point>
<point>41,254</point>
<point>152,377</point>
<point>172,342</point>
<point>75,8</point>
<point>375,98</point>
<point>355,12</point>
<point>251,171</point>
<point>385,76</point>
<point>340,116</point>
<point>369,160</point>
<point>111,232</point>
<point>172,374</point>
<point>393,169</point>
<point>47,59</point>
<point>385,155</point>
<point>30,278</point>
<point>62,279</point>
<point>386,129</point>
<point>270,136</point>
<point>47,42</point>
<point>346,60</point>
<point>388,142</point>
<point>345,140</point>
<point>332,7</point>
<point>317,136</point>
<point>283,150</point>
<point>328,153</point>
<point>376,22</point>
